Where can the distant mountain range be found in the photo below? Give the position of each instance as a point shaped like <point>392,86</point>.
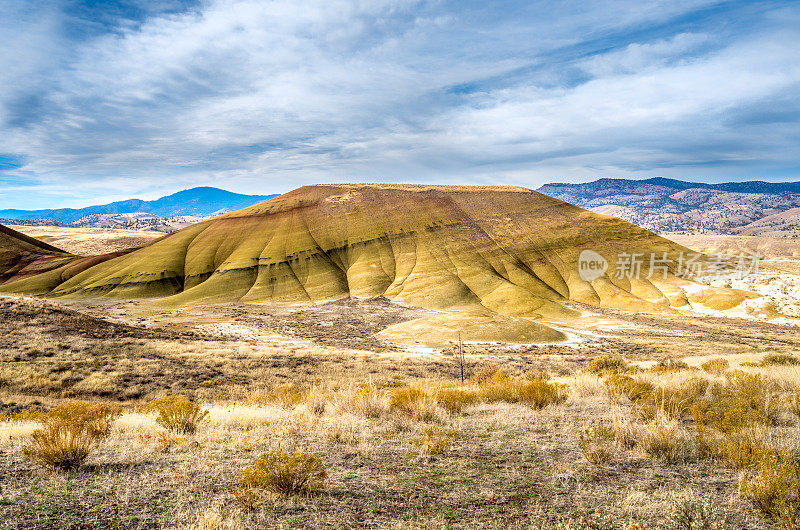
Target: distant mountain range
<point>196,202</point>
<point>667,205</point>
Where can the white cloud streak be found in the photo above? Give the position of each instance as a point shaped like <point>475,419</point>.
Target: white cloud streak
<point>265,96</point>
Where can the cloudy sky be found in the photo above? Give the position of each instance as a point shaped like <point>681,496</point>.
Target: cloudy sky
<point>108,100</point>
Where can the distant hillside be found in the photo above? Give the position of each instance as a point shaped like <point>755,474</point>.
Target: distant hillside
<point>499,264</point>
<point>196,202</point>
<point>666,205</point>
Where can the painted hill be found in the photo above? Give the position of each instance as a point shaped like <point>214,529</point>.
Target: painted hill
<point>504,258</point>
<point>200,202</point>
<point>666,205</point>
<point>21,256</point>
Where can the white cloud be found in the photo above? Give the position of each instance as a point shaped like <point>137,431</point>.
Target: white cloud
<point>244,93</point>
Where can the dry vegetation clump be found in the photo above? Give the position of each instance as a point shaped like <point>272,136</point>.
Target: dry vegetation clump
<point>779,359</point>
<point>316,401</point>
<point>775,488</point>
<point>607,364</point>
<point>663,438</point>
<point>434,440</point>
<point>688,512</point>
<point>672,402</point>
<point>499,387</point>
<point>666,366</point>
<point>742,400</point>
<point>177,414</point>
<point>624,385</point>
<point>69,433</point>
<point>414,403</point>
<point>367,401</point>
<point>283,473</point>
<point>455,400</point>
<point>535,375</point>
<point>597,444</point>
<point>626,431</point>
<point>285,396</point>
<point>716,366</point>
<point>540,393</point>
<point>793,403</point>
<point>485,373</point>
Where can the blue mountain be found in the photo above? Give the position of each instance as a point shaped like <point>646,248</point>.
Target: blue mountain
<point>202,202</point>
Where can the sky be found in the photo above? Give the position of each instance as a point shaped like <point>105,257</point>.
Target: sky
<point>103,101</point>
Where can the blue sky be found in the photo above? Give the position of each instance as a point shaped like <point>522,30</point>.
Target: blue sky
<point>102,101</point>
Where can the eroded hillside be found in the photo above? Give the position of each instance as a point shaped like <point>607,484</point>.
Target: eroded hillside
<point>504,258</point>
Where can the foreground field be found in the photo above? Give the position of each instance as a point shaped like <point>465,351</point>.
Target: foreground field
<point>477,454</point>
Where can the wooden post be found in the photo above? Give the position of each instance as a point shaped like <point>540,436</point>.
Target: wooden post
<point>461,356</point>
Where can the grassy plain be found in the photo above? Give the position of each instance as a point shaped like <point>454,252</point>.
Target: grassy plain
<point>288,376</point>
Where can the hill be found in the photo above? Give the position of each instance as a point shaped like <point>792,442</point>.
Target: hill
<point>22,256</point>
<point>504,258</point>
<point>199,202</point>
<point>666,205</point>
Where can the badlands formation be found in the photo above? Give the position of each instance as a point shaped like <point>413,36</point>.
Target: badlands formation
<point>496,263</point>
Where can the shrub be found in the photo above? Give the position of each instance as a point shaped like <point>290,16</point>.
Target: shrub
<point>597,444</point>
<point>434,440</point>
<point>367,401</point>
<point>29,414</point>
<point>669,365</point>
<point>743,400</point>
<point>499,388</point>
<point>624,385</point>
<point>775,489</point>
<point>485,373</point>
<point>687,512</point>
<point>285,473</point>
<point>716,366</point>
<point>177,413</point>
<point>455,400</point>
<point>743,449</point>
<point>286,396</point>
<point>539,393</point>
<point>606,364</point>
<point>69,433</point>
<point>413,403</point>
<point>626,432</point>
<point>664,439</point>
<point>534,375</point>
<point>671,402</point>
<point>779,359</point>
<point>96,418</point>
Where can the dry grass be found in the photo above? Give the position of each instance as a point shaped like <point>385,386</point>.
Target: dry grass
<point>508,465</point>
<point>775,488</point>
<point>367,401</point>
<point>434,440</point>
<point>664,439</point>
<point>285,473</point>
<point>597,444</point>
<point>539,393</point>
<point>414,403</point>
<point>69,433</point>
<point>177,413</point>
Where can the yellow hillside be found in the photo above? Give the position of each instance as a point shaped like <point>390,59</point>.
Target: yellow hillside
<point>509,253</point>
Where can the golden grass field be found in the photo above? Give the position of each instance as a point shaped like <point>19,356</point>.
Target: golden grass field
<point>289,377</point>
<point>89,241</point>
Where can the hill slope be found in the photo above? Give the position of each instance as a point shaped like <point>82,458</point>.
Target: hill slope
<point>201,202</point>
<point>667,205</point>
<point>21,255</point>
<point>508,256</point>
